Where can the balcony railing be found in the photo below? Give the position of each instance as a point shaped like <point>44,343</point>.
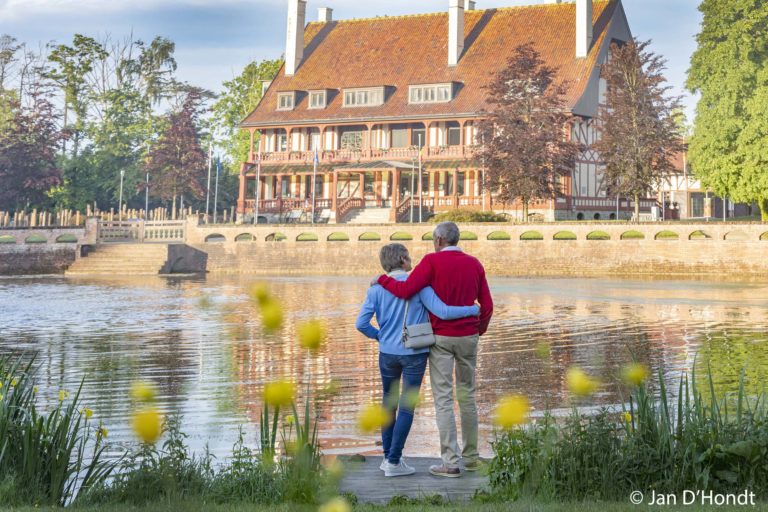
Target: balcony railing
<point>367,155</point>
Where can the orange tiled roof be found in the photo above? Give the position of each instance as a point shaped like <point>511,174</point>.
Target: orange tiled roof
<point>408,50</point>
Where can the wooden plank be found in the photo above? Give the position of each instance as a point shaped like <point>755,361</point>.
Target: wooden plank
<point>368,483</point>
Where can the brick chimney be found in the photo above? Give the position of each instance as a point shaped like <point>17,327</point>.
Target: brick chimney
<point>324,14</point>
<point>294,39</point>
<point>455,31</point>
<point>583,27</point>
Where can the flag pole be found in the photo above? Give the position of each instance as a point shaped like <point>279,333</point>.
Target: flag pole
<point>258,186</point>
<point>421,192</point>
<point>208,189</point>
<point>216,193</point>
<point>314,177</point>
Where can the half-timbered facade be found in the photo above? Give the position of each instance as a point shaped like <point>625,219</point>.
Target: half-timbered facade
<point>376,118</point>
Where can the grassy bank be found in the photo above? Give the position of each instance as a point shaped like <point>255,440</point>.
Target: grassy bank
<point>194,506</point>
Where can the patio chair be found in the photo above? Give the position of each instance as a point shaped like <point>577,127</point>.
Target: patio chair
<point>323,216</point>
<point>294,216</point>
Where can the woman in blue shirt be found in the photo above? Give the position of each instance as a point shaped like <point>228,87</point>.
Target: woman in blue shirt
<point>395,360</point>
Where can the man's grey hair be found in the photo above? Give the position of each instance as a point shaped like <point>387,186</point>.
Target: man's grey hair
<point>448,231</point>
<point>391,256</point>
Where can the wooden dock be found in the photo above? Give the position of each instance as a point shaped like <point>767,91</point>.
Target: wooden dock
<point>364,479</point>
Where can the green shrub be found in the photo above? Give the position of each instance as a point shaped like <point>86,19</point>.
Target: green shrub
<point>35,239</point>
<point>66,239</point>
<point>598,235</point>
<point>564,235</point>
<point>276,237</point>
<point>632,235</point>
<point>499,235</point>
<point>307,237</point>
<point>244,237</point>
<point>427,236</point>
<point>369,237</point>
<point>7,239</point>
<point>467,235</point>
<point>666,235</point>
<point>675,442</point>
<point>764,236</point>
<point>469,216</point>
<point>400,236</point>
<point>531,235</point>
<point>338,237</point>
<point>699,235</point>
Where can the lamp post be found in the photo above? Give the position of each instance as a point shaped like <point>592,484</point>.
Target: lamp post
<point>413,170</point>
<point>421,192</point>
<point>146,199</point>
<point>120,205</point>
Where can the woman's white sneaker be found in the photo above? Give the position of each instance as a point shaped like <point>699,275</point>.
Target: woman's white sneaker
<point>401,469</point>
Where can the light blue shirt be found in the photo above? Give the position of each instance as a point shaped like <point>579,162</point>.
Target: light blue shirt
<point>389,311</point>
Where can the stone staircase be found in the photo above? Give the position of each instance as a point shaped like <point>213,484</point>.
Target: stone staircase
<point>369,216</point>
<point>121,259</point>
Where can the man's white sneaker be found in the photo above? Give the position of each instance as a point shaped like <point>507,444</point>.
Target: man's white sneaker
<point>401,469</point>
<point>384,462</point>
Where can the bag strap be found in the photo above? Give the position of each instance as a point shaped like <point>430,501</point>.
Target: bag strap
<point>405,318</point>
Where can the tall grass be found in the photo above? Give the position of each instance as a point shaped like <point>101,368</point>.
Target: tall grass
<point>45,458</point>
<point>670,445</point>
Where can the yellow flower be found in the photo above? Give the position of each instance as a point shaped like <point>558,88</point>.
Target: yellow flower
<point>14,382</point>
<point>271,316</point>
<point>311,334</point>
<point>337,504</point>
<point>579,383</point>
<point>102,432</point>
<point>1,384</point>
<point>372,417</point>
<point>279,393</point>
<point>260,293</point>
<point>143,391</point>
<point>63,395</point>
<point>147,425</point>
<point>35,389</point>
<point>627,417</point>
<point>511,411</point>
<point>635,374</point>
<point>1,396</point>
<point>290,419</point>
<point>87,413</point>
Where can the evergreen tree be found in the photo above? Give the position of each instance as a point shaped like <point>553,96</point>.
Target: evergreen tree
<point>525,151</point>
<point>728,150</point>
<point>640,125</point>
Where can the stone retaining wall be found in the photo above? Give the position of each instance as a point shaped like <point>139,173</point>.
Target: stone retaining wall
<point>36,259</point>
<point>700,249</point>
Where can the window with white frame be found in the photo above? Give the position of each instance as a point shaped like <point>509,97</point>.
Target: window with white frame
<point>317,99</point>
<point>368,97</point>
<point>286,100</point>
<point>430,93</point>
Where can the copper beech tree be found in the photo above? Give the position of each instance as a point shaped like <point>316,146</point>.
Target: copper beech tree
<point>524,144</point>
<point>639,131</point>
<point>176,160</point>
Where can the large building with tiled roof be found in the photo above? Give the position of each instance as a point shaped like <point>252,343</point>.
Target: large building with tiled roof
<point>380,113</point>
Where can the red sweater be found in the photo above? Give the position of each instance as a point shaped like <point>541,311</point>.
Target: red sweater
<point>459,280</point>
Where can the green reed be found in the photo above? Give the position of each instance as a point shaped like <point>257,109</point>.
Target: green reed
<point>45,458</point>
<point>696,440</point>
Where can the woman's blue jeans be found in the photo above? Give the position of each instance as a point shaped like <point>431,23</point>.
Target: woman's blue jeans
<point>411,369</point>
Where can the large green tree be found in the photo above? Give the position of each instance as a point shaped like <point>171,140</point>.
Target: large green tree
<point>240,97</point>
<point>729,70</point>
<point>639,124</point>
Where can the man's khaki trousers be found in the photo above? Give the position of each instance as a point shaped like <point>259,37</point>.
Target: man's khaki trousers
<point>461,351</point>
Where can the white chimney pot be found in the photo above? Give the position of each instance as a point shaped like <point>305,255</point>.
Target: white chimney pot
<point>583,27</point>
<point>324,14</point>
<point>455,31</point>
<point>469,5</point>
<point>294,39</point>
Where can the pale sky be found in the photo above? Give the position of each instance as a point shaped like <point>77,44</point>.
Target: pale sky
<point>216,39</point>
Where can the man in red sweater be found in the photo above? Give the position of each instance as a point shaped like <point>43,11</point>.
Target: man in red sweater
<point>459,280</point>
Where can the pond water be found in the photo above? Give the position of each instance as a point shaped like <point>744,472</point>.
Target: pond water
<point>200,341</point>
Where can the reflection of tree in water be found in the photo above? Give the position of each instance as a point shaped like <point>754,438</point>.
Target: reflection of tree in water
<point>726,353</point>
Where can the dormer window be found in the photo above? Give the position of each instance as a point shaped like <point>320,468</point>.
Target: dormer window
<point>367,97</point>
<point>318,99</point>
<point>430,93</point>
<point>286,100</point>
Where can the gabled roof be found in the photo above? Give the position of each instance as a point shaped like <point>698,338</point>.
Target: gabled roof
<point>408,50</point>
